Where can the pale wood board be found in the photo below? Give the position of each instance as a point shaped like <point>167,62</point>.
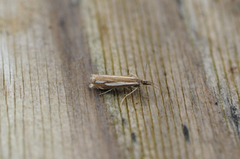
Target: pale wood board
<point>189,49</point>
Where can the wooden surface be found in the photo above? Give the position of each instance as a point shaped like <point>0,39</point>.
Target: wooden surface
<point>188,48</point>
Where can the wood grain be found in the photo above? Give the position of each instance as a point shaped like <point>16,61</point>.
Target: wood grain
<point>189,49</point>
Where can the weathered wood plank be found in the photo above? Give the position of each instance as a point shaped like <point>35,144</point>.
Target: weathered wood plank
<point>189,49</point>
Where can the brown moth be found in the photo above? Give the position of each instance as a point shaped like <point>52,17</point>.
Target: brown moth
<point>109,82</point>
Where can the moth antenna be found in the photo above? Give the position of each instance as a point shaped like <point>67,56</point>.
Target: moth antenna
<point>144,71</point>
<point>154,85</point>
<point>105,92</point>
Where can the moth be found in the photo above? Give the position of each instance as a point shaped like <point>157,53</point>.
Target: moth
<point>110,82</point>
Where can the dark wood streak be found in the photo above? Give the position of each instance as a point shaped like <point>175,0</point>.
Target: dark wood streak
<point>76,68</point>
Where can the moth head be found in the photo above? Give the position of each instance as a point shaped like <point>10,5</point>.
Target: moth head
<point>145,82</point>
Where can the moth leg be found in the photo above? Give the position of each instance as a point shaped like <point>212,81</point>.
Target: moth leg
<point>105,92</point>
<point>131,74</point>
<point>128,88</point>
<point>98,87</point>
<point>128,95</point>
